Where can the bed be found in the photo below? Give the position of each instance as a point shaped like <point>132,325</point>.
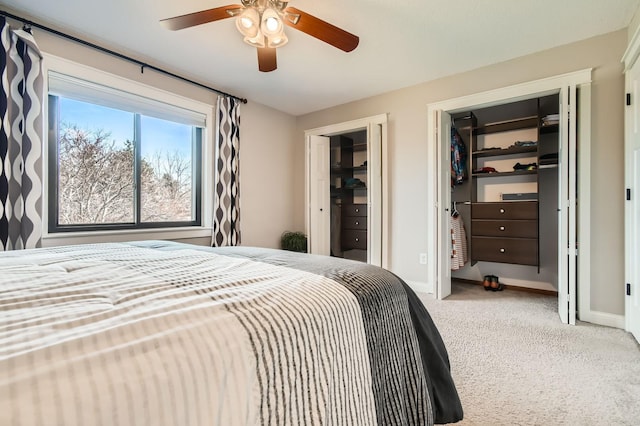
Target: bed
<point>163,333</point>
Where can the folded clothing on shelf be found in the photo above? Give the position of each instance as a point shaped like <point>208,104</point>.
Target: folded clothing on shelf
<point>351,183</point>
<point>525,143</point>
<point>550,119</point>
<point>485,170</point>
<point>530,166</point>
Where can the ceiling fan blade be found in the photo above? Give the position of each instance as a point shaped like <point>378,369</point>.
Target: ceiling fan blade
<point>322,30</point>
<point>198,18</point>
<point>267,59</point>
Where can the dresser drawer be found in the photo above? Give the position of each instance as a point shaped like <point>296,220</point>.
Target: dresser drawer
<point>354,222</point>
<point>354,239</point>
<point>354,210</point>
<point>505,228</point>
<point>523,251</point>
<point>509,210</point>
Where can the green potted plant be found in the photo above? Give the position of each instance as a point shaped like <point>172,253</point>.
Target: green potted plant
<point>294,241</point>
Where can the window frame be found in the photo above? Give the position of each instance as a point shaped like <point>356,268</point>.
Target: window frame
<point>203,182</point>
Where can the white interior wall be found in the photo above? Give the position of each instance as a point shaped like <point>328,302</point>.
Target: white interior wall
<point>633,25</point>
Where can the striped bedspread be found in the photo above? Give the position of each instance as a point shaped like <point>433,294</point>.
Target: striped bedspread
<point>159,333</point>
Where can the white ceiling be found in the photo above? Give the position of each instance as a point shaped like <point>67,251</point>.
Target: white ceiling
<point>402,42</point>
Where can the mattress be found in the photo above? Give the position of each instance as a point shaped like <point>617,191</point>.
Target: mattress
<point>165,333</point>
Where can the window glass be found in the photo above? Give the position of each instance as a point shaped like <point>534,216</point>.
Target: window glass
<point>95,164</point>
<point>166,171</point>
<point>117,169</point>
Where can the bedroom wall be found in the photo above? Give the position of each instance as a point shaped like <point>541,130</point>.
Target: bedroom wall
<point>267,148</point>
<point>633,25</point>
<point>409,179</point>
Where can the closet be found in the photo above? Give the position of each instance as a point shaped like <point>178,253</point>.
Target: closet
<point>348,189</point>
<point>345,190</point>
<point>504,186</point>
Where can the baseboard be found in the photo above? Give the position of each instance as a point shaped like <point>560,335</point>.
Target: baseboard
<point>419,286</point>
<point>602,318</point>
<point>510,287</point>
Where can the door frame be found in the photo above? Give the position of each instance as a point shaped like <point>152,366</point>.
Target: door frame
<point>631,59</point>
<point>364,123</point>
<point>436,197</point>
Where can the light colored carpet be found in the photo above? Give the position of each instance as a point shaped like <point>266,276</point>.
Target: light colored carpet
<point>515,363</point>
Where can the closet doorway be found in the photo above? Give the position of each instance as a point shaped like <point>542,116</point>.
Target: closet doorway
<point>345,190</point>
<point>499,199</point>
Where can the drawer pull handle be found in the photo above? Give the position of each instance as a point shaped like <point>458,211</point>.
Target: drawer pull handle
<point>357,239</point>
<point>501,210</point>
<point>357,210</point>
<point>502,250</point>
<point>502,228</point>
<point>357,223</point>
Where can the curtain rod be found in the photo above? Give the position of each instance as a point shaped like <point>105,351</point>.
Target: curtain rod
<point>142,65</point>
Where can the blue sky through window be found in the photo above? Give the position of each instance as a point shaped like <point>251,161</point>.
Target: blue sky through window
<point>164,135</point>
<point>157,134</point>
<point>91,117</point>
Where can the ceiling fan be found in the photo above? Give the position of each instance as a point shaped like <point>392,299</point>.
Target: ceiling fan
<point>261,22</point>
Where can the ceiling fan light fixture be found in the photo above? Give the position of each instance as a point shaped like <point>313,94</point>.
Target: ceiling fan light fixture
<point>257,41</point>
<point>279,5</point>
<point>248,22</point>
<point>277,40</point>
<point>271,24</point>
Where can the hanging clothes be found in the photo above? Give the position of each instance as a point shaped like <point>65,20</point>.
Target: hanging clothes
<point>459,254</point>
<point>458,158</point>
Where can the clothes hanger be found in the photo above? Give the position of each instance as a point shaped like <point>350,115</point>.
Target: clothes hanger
<point>454,211</point>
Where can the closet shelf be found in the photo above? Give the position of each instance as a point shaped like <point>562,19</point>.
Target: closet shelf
<point>355,147</point>
<point>505,126</point>
<point>504,151</point>
<point>550,128</point>
<point>348,170</point>
<point>504,174</point>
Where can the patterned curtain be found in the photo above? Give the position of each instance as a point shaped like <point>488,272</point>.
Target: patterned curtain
<point>20,140</point>
<point>226,220</point>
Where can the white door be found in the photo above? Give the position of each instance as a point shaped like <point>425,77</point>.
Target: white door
<point>567,206</point>
<point>444,205</point>
<point>374,193</point>
<point>319,195</point>
<point>632,211</point>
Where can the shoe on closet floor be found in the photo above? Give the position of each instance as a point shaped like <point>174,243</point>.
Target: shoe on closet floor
<point>496,285</point>
<point>486,283</point>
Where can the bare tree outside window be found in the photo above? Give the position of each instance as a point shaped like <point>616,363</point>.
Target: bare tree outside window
<point>95,177</point>
<point>96,182</point>
<point>166,187</point>
<point>119,162</point>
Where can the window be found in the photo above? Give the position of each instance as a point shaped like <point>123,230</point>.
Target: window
<point>120,161</point>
